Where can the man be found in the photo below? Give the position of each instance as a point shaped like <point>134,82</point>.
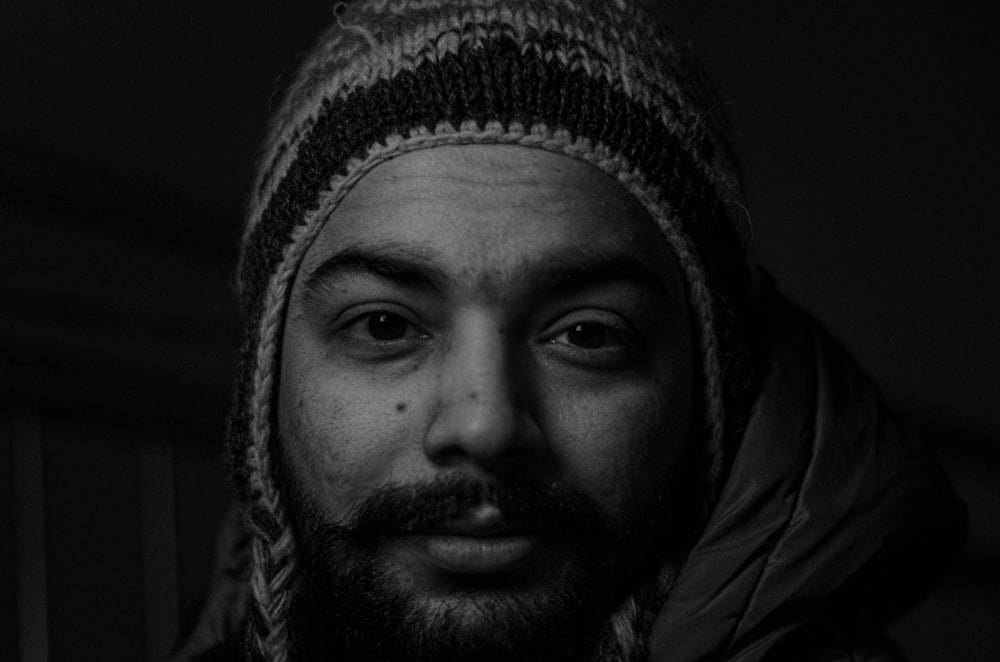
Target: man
<point>511,389</point>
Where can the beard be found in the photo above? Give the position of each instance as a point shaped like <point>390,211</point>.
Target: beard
<point>354,603</point>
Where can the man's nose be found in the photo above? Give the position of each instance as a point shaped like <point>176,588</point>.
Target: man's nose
<point>483,417</point>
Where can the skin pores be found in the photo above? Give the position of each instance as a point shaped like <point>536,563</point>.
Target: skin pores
<point>494,314</point>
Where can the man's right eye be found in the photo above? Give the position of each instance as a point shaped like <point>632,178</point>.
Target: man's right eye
<point>387,326</point>
<point>381,326</point>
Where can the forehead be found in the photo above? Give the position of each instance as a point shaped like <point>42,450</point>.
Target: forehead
<point>491,211</point>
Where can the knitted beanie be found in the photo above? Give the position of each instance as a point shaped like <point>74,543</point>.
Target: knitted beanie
<point>601,81</point>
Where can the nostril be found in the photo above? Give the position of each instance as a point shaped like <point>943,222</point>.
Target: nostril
<point>482,428</point>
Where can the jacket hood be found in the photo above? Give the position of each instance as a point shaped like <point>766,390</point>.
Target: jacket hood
<point>831,516</point>
<point>831,520</point>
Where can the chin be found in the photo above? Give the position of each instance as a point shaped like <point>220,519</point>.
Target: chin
<point>365,610</point>
<point>458,570</point>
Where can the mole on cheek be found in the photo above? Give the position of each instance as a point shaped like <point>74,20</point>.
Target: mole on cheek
<point>401,406</point>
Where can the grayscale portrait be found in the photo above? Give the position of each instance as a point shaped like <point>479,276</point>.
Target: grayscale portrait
<point>519,372</point>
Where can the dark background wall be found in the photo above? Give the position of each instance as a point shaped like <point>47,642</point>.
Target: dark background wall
<point>128,132</point>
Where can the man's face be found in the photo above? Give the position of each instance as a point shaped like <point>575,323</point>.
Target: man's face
<point>486,388</point>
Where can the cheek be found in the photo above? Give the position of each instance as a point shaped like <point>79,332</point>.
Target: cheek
<point>621,444</point>
<point>341,437</point>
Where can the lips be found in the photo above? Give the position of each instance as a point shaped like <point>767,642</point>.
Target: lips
<point>480,542</point>
<point>477,555</point>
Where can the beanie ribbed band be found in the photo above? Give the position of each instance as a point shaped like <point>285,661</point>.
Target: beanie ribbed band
<point>600,81</point>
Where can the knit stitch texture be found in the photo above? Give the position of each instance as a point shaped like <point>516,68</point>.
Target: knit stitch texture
<point>601,81</point>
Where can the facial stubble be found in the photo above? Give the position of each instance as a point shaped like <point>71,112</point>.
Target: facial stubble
<point>353,603</point>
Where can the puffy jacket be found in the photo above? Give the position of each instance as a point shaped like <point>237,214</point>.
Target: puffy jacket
<point>830,524</point>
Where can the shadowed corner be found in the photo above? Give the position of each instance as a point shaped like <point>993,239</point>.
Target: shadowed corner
<point>118,332</point>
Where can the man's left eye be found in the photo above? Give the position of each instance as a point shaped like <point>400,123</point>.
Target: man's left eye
<point>590,335</point>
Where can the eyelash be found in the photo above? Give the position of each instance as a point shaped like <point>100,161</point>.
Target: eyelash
<point>623,339</point>
<point>369,316</point>
<point>623,350</point>
<point>617,332</point>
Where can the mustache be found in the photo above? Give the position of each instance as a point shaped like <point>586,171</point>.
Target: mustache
<point>420,507</point>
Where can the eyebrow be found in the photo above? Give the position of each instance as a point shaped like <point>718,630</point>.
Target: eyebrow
<point>554,273</point>
<point>405,266</point>
<point>578,269</point>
